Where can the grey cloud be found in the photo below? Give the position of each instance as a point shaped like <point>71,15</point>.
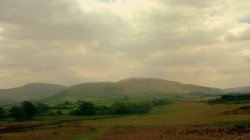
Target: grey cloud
<point>174,28</point>
<point>58,42</point>
<point>51,20</point>
<point>244,36</point>
<point>239,37</point>
<point>165,29</point>
<point>245,20</point>
<point>189,58</point>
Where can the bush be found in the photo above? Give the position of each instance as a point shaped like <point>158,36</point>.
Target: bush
<point>101,110</point>
<point>231,99</point>
<point>17,113</point>
<point>85,108</point>
<point>29,109</point>
<point>158,102</point>
<point>42,108</point>
<point>130,108</point>
<point>26,110</point>
<point>2,112</point>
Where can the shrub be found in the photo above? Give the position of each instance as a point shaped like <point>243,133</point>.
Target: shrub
<point>85,108</point>
<point>29,108</point>
<point>17,113</point>
<point>42,108</point>
<point>26,110</point>
<point>130,108</point>
<point>2,112</point>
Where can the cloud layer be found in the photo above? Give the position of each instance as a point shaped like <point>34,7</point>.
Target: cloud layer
<point>68,42</point>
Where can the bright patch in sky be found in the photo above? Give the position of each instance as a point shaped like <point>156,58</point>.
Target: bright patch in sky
<point>121,7</point>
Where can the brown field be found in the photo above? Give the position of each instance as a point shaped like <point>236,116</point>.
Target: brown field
<point>191,133</point>
<point>185,120</point>
<point>43,134</point>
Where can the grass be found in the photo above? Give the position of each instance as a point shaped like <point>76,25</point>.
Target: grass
<point>93,135</point>
<point>176,115</point>
<point>73,117</point>
<point>173,114</point>
<point>231,124</point>
<point>63,118</point>
<point>179,113</point>
<point>6,120</point>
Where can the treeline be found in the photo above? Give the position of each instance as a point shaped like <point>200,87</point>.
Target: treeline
<point>231,98</point>
<point>118,108</point>
<point>24,111</point>
<point>27,109</point>
<point>2,112</point>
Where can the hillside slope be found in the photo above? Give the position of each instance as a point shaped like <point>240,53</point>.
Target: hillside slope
<point>132,87</point>
<point>145,85</point>
<point>33,91</point>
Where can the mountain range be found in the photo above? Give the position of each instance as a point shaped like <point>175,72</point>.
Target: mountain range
<point>132,87</point>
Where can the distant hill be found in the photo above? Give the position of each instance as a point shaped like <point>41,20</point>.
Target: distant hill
<point>132,87</point>
<point>149,85</point>
<point>245,89</point>
<point>33,91</point>
<point>88,91</point>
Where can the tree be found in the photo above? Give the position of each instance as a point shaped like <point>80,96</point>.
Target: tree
<point>130,107</point>
<point>29,109</point>
<point>85,108</point>
<point>17,112</point>
<point>2,112</point>
<point>42,108</point>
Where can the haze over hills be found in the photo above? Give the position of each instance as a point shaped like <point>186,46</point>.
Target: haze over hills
<point>245,89</point>
<point>132,87</point>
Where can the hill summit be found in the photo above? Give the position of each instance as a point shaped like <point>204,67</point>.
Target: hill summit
<point>131,87</point>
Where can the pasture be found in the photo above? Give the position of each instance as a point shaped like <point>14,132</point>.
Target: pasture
<point>179,120</point>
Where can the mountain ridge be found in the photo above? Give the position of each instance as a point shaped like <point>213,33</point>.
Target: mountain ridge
<point>131,87</point>
<point>134,87</point>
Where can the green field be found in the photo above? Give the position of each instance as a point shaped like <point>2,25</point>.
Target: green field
<point>177,114</point>
<point>181,114</point>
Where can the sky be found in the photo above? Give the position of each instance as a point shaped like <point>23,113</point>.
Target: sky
<point>204,42</point>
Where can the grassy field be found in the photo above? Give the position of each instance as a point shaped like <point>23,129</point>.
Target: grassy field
<point>180,120</point>
<point>180,113</point>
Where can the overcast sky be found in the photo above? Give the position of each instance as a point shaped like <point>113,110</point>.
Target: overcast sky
<point>205,42</point>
